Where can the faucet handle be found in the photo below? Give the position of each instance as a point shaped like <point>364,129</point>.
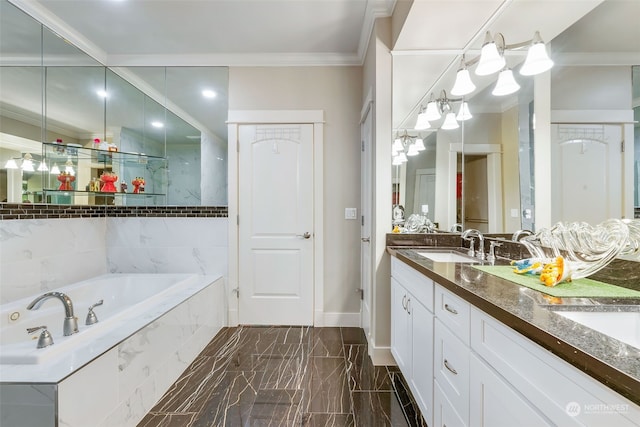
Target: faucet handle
<point>492,252</point>
<point>471,251</point>
<point>91,316</point>
<point>45,338</point>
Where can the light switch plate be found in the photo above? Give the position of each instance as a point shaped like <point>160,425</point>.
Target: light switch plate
<point>350,213</point>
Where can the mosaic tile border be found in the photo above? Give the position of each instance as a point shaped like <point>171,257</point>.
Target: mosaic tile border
<point>10,211</point>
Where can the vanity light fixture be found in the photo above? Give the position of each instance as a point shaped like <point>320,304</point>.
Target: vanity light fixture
<point>450,122</point>
<point>506,84</point>
<point>55,170</point>
<point>422,123</point>
<point>397,145</point>
<point>413,150</point>
<point>412,144</point>
<point>433,112</point>
<point>464,113</point>
<point>68,167</point>
<point>27,163</point>
<point>11,164</point>
<point>463,85</point>
<point>491,57</point>
<point>442,106</point>
<point>419,144</point>
<point>42,167</point>
<point>538,60</point>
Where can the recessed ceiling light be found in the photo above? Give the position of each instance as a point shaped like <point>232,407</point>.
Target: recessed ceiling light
<point>157,124</point>
<point>102,93</point>
<point>208,93</point>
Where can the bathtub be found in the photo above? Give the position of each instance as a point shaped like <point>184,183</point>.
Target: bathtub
<point>150,328</point>
<point>130,302</point>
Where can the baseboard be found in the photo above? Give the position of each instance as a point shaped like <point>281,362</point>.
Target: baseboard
<point>341,319</point>
<point>232,318</point>
<point>381,356</point>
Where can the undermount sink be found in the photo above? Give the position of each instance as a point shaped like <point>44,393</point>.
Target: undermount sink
<point>447,256</point>
<point>623,326</point>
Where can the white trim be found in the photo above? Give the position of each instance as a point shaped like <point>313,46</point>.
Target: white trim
<point>315,117</point>
<point>381,356</point>
<point>342,319</point>
<point>41,14</point>
<point>592,116</point>
<point>366,107</point>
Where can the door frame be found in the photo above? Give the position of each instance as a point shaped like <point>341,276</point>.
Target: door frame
<point>253,117</point>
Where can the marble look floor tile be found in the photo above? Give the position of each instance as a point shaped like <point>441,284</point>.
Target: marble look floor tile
<point>326,342</point>
<point>192,391</point>
<point>328,420</point>
<point>377,409</point>
<point>353,336</point>
<point>286,367</point>
<point>328,388</point>
<point>407,401</point>
<point>231,405</point>
<point>363,375</point>
<point>277,408</point>
<point>167,420</point>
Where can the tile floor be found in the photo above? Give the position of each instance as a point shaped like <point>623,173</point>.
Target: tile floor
<point>286,376</point>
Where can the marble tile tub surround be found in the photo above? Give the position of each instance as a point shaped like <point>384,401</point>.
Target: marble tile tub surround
<point>39,255</point>
<point>286,376</point>
<point>607,360</point>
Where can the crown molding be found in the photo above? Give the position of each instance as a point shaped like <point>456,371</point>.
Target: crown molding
<point>43,15</point>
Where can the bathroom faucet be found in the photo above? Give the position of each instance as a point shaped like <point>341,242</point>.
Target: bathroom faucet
<point>457,227</point>
<point>469,234</point>
<point>70,325</point>
<point>520,234</point>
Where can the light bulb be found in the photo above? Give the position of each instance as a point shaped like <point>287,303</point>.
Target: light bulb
<point>463,85</point>
<point>464,113</point>
<point>491,60</point>
<point>419,144</point>
<point>450,122</point>
<point>506,84</point>
<point>538,60</point>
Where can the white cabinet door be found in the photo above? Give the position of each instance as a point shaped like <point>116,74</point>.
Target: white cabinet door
<point>400,328</point>
<point>495,404</point>
<point>443,413</point>
<point>422,357</point>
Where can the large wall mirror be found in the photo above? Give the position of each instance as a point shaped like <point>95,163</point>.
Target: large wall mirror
<point>483,174</point>
<point>75,132</point>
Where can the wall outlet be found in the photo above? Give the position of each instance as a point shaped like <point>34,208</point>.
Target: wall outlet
<point>350,213</point>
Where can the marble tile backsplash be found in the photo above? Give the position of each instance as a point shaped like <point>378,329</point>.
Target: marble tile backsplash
<point>39,255</point>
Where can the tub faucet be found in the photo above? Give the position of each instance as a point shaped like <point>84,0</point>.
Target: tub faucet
<point>70,325</point>
<point>520,234</point>
<point>469,234</point>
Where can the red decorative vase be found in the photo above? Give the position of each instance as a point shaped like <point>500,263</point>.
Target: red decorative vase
<point>66,179</point>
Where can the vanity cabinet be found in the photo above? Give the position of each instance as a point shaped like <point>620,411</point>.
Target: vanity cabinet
<point>412,332</point>
<point>77,178</point>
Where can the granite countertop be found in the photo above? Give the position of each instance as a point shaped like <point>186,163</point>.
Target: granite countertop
<point>611,362</point>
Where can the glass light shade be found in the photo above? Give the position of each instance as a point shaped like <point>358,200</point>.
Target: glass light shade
<point>537,60</point>
<point>422,122</point>
<point>506,84</point>
<point>402,157</point>
<point>450,122</point>
<point>397,145</point>
<point>43,167</point>
<point>55,170</point>
<point>464,113</point>
<point>397,161</point>
<point>413,150</point>
<point>27,163</point>
<point>432,112</point>
<point>491,60</point>
<point>11,164</point>
<point>419,144</point>
<point>463,85</point>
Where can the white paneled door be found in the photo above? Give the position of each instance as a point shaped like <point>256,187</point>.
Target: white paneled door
<point>275,225</point>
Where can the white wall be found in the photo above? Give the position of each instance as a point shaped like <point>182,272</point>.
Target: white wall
<point>336,91</point>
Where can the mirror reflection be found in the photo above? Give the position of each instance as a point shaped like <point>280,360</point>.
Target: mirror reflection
<point>549,152</point>
<point>93,133</point>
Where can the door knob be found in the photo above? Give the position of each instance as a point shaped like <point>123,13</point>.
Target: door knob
<point>306,235</point>
<point>365,239</point>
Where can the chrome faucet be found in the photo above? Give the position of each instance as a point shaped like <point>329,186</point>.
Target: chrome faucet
<point>520,234</point>
<point>469,234</point>
<point>70,325</point>
<point>455,228</point>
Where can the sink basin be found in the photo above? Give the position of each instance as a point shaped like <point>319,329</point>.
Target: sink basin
<point>447,256</point>
<point>623,326</point>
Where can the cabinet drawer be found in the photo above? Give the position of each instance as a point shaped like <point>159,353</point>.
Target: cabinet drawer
<point>415,282</point>
<point>444,415</point>
<point>453,311</point>
<point>451,368</point>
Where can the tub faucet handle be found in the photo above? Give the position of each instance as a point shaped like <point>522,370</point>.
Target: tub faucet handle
<point>45,338</point>
<point>91,316</point>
